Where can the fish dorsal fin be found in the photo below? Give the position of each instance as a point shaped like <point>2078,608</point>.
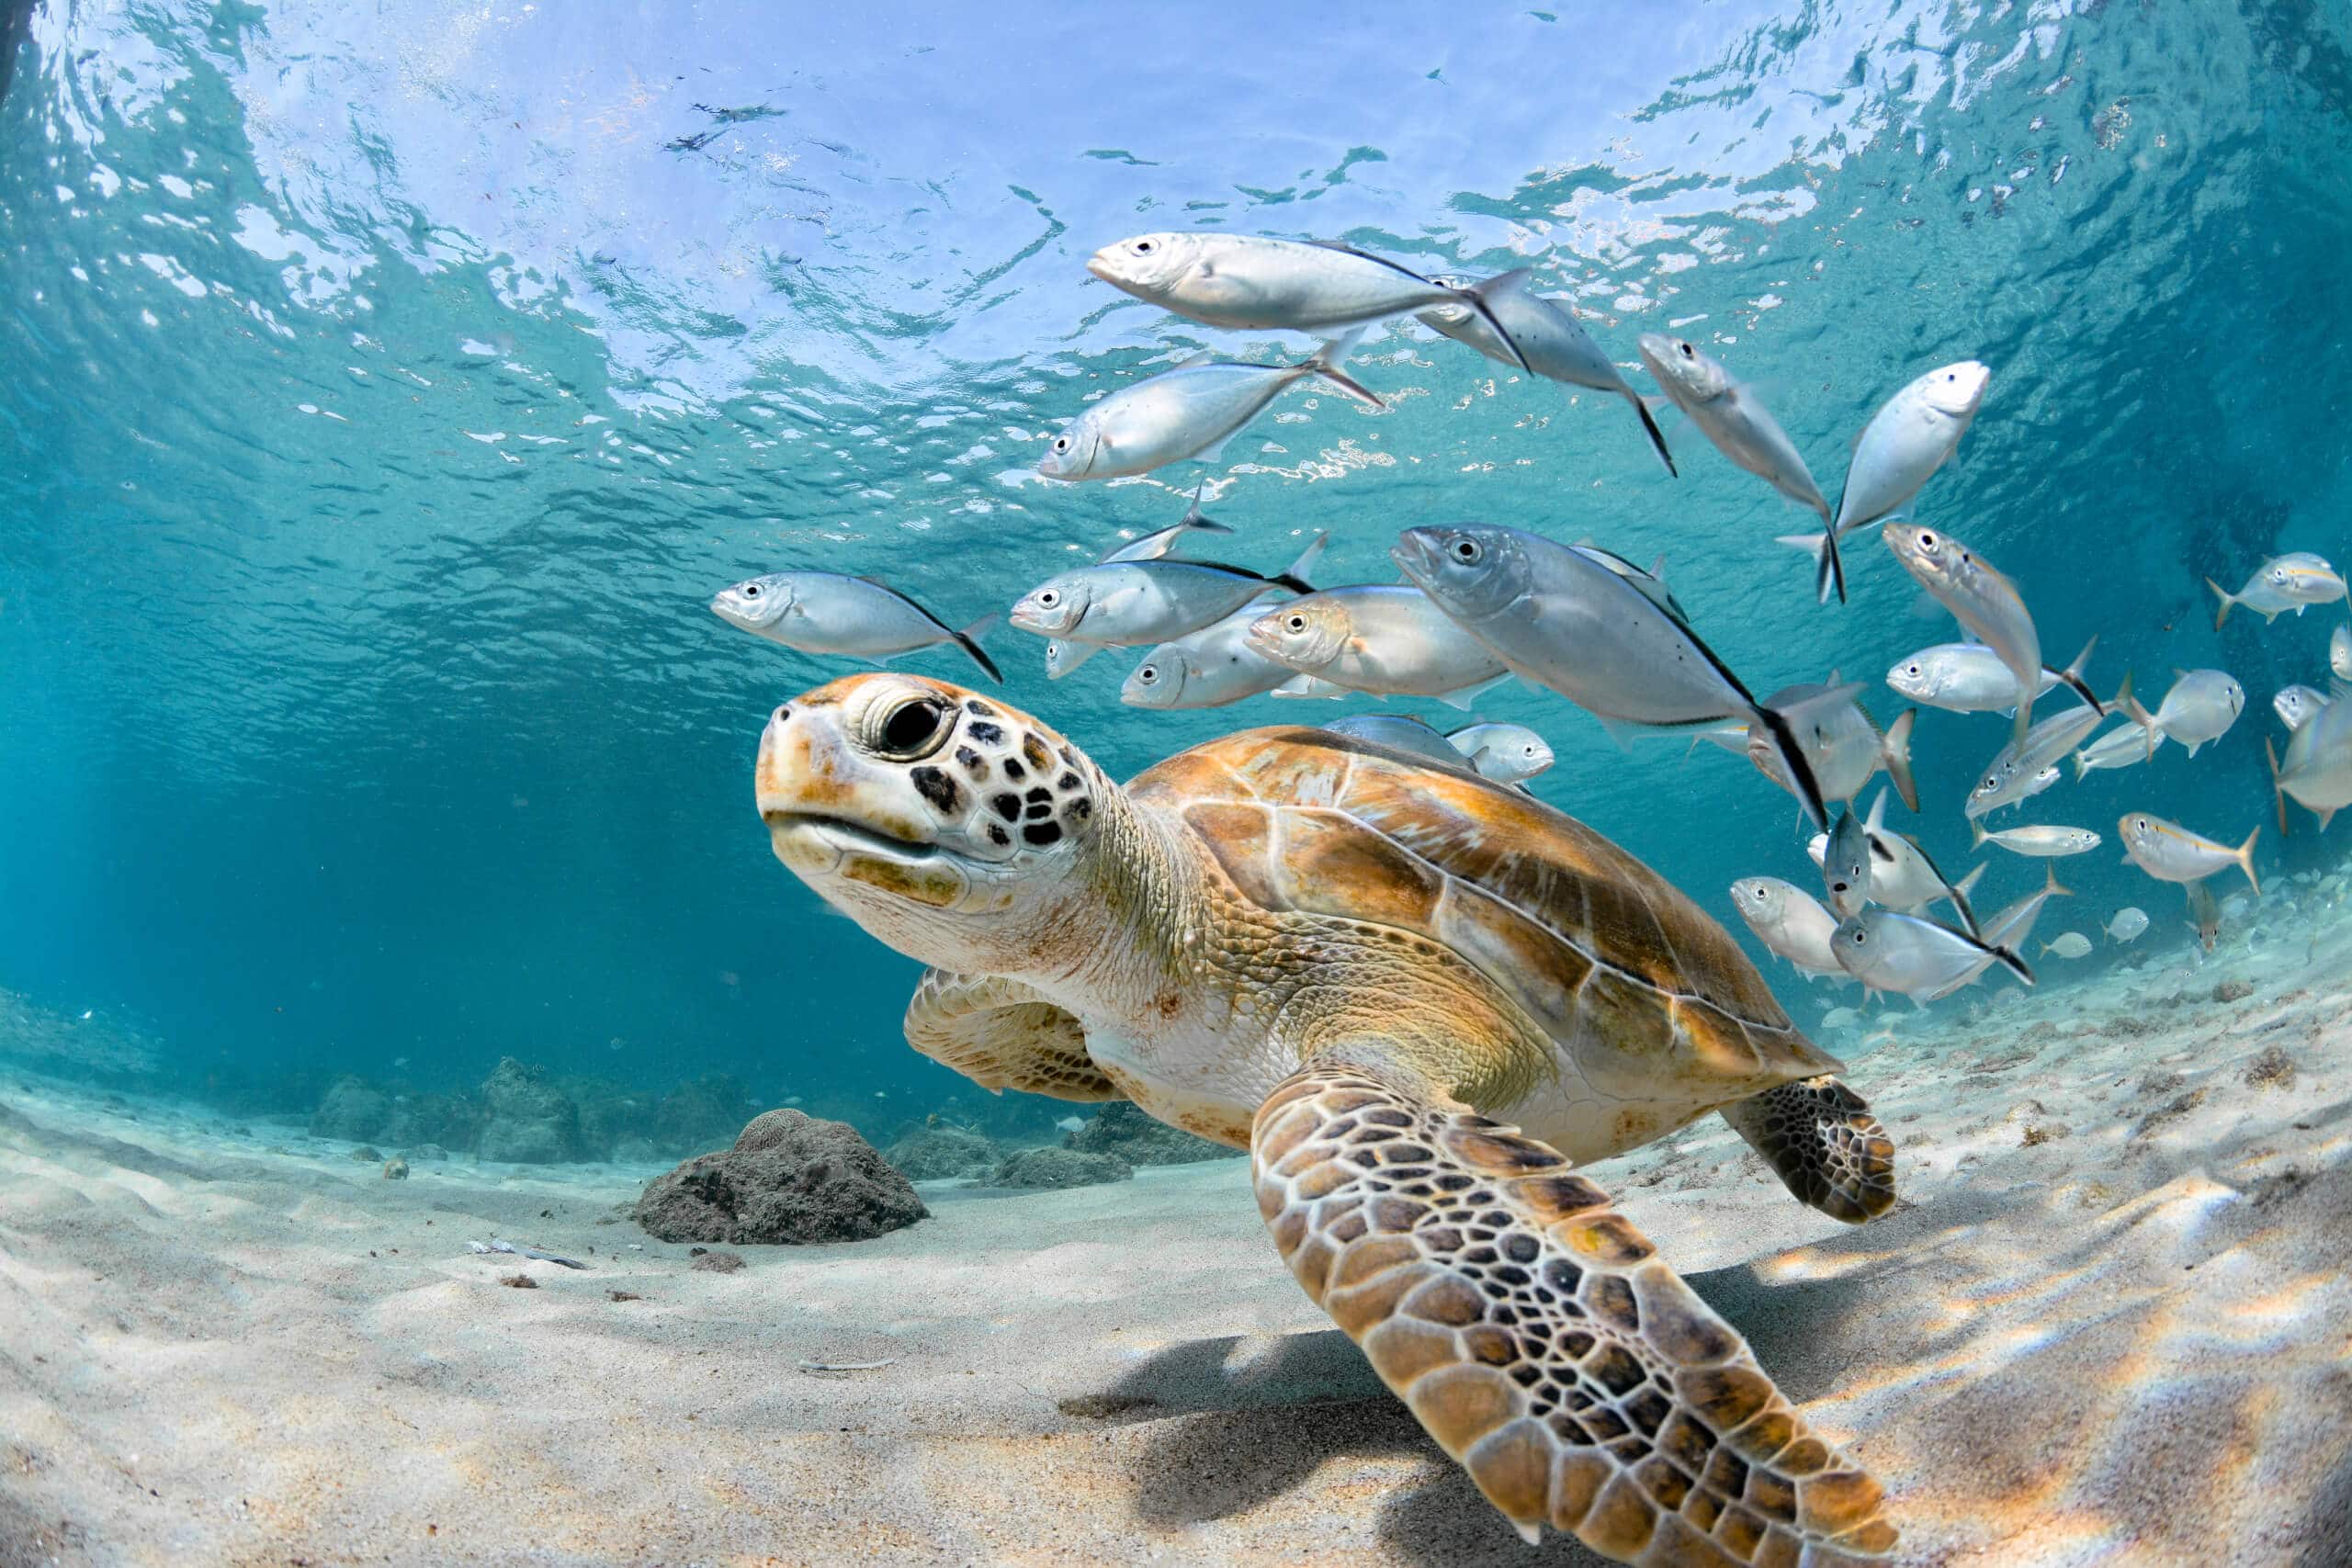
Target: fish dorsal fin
<point>1194,360</point>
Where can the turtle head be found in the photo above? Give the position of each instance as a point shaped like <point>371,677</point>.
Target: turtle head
<point>947,824</point>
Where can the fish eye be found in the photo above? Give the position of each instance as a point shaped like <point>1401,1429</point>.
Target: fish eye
<point>1061,442</point>
<point>1049,599</point>
<point>1467,551</point>
<point>1295,622</point>
<point>1912,669</point>
<point>1928,543</point>
<point>1147,674</point>
<point>1688,352</point>
<point>914,729</point>
<point>1144,247</point>
<point>751,591</point>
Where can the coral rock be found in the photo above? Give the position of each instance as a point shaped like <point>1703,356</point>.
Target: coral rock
<point>789,1178</point>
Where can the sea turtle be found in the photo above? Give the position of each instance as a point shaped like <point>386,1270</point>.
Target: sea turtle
<point>1371,970</point>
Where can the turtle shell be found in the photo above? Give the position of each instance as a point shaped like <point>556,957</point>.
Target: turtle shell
<point>1646,994</point>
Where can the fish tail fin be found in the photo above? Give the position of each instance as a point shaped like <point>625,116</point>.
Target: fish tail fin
<point>2245,857</point>
<point>968,640</point>
<point>2052,886</point>
<point>2082,769</point>
<point>1195,520</point>
<point>1326,362</point>
<point>2229,602</point>
<point>1650,429</point>
<point>1897,748</point>
<point>2138,714</point>
<point>1295,576</point>
<point>2072,674</point>
<point>1834,564</point>
<point>2278,796</point>
<point>1960,901</point>
<point>1975,834</point>
<point>1794,764</point>
<point>1480,296</point>
<point>2015,964</point>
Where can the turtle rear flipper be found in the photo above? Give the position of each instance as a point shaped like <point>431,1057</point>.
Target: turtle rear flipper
<point>1535,1334</point>
<point>1820,1138</point>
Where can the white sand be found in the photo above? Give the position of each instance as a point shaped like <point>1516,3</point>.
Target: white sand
<point>2128,1345</point>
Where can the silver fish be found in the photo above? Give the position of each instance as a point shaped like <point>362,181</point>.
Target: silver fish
<point>1504,752</point>
<point>2172,853</point>
<point>1186,415</point>
<point>1254,282</point>
<point>1399,732</point>
<point>1984,601</point>
<point>1207,669</point>
<point>2127,924</point>
<point>1135,603</point>
<point>2318,769</point>
<point>2014,925</point>
<point>2296,704</point>
<point>1385,638</point>
<point>2204,914</point>
<point>2200,706</point>
<point>1557,619</point>
<point>2128,744</point>
<point>1061,658</point>
<point>1904,876</point>
<point>1968,677</point>
<point>1547,334</point>
<point>1844,744</point>
<point>2039,840</point>
<point>1902,446</point>
<point>2036,784</point>
<point>1729,415</point>
<point>1789,920</point>
<point>1846,865</point>
<point>1161,541</point>
<point>1919,958</point>
<point>2009,778</point>
<point>2069,944</point>
<point>2339,652</point>
<point>2294,581</point>
<point>854,617</point>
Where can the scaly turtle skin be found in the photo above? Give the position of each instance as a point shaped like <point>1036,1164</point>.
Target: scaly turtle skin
<point>1373,970</point>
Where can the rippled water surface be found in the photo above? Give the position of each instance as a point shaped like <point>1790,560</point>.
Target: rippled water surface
<point>387,389</point>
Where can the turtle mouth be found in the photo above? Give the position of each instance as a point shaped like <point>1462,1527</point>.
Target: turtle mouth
<point>840,833</point>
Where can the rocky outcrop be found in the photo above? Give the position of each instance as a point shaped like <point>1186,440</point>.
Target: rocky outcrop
<point>1119,1128</point>
<point>526,1119</point>
<point>350,1109</point>
<point>1061,1168</point>
<point>934,1154</point>
<point>789,1178</point>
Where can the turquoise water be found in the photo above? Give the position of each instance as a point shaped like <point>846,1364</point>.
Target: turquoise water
<point>387,391</point>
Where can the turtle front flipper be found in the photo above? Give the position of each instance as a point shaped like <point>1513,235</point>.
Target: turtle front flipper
<point>1820,1138</point>
<point>1002,1034</point>
<point>1537,1336</point>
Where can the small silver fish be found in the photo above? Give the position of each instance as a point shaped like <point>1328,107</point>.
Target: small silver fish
<point>2294,581</point>
<point>2339,652</point>
<point>2009,777</point>
<point>2127,924</point>
<point>1207,669</point>
<point>1399,732</point>
<point>2204,914</point>
<point>1061,658</point>
<point>1984,601</point>
<point>1919,958</point>
<point>1546,333</point>
<point>1903,876</point>
<point>1186,415</point>
<point>2013,926</point>
<point>1508,753</point>
<point>1845,865</point>
<point>2200,706</point>
<point>1382,639</point>
<point>1135,603</point>
<point>1844,744</point>
<point>2068,944</point>
<point>2128,744</point>
<point>854,617</point>
<point>2039,840</point>
<point>1789,921</point>
<point>1968,677</point>
<point>2296,704</point>
<point>1558,618</point>
<point>1254,282</point>
<point>2172,853</point>
<point>1729,415</point>
<point>1898,451</point>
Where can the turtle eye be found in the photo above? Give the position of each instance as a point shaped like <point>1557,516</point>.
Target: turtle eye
<point>914,729</point>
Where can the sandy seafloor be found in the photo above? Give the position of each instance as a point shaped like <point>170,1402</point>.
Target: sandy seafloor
<point>2112,1325</point>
